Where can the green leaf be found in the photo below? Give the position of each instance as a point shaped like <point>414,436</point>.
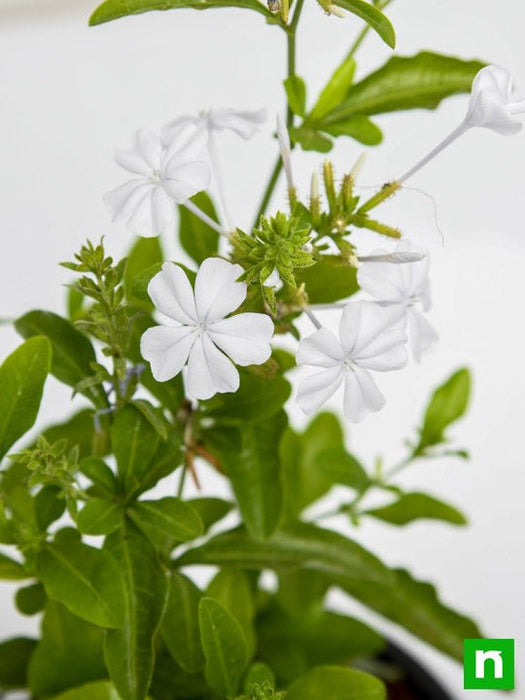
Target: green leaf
<point>167,521</point>
<point>414,605</point>
<point>100,474</point>
<point>180,624</point>
<point>306,459</point>
<point>301,591</point>
<point>48,506</point>
<point>408,82</point>
<point>153,415</point>
<point>144,253</point>
<point>198,239</point>
<point>84,579</point>
<point>254,471</point>
<point>295,88</point>
<point>31,599</point>
<point>11,570</point>
<point>448,403</point>
<point>129,652</point>
<point>115,9</point>
<point>336,683</point>
<point>100,517</point>
<point>14,659</point>
<point>373,17</point>
<point>210,510</point>
<point>417,506</point>
<point>335,89</point>
<point>358,127</point>
<point>257,398</point>
<point>73,353</point>
<point>233,590</point>
<point>68,654</point>
<point>22,378</point>
<point>78,430</point>
<point>134,442</point>
<point>330,279</point>
<point>342,468</point>
<point>310,139</point>
<point>101,690</point>
<point>224,647</point>
<point>295,545</point>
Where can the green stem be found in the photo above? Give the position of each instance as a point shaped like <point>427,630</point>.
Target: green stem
<point>291,31</point>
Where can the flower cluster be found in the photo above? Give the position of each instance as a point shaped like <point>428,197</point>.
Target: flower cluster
<point>204,334</point>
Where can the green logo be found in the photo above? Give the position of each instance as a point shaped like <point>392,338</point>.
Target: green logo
<point>488,664</point>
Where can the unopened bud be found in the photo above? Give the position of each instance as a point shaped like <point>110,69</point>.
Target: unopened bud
<point>335,10</point>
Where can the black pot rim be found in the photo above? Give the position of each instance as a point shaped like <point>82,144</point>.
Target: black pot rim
<point>421,680</point>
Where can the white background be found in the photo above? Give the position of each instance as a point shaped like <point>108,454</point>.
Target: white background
<point>70,94</point>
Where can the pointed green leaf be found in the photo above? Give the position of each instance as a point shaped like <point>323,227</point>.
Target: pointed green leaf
<point>11,570</point>
<point>296,545</point>
<point>408,82</point>
<point>14,659</point>
<point>48,506</point>
<point>417,506</point>
<point>22,378</point>
<point>144,253</point>
<point>100,474</point>
<point>296,93</point>
<point>224,647</point>
<point>336,683</point>
<point>115,9</point>
<point>180,624</point>
<point>167,521</point>
<point>210,510</point>
<point>129,652</point>
<point>330,279</point>
<point>198,239</point>
<point>73,353</point>
<point>101,690</point>
<point>335,90</point>
<point>310,139</point>
<point>415,605</point>
<point>373,17</point>
<point>69,653</point>
<point>358,127</point>
<point>84,579</point>
<point>100,517</point>
<point>448,403</point>
<point>134,442</point>
<point>233,590</point>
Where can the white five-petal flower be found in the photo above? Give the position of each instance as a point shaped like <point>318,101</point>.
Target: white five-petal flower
<point>243,123</point>
<point>165,177</point>
<point>199,335</point>
<point>403,286</point>
<point>371,337</point>
<point>491,102</point>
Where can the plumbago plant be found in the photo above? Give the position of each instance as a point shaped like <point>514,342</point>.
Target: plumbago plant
<point>179,367</point>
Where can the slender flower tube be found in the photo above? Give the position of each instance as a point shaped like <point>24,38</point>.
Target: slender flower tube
<point>286,155</point>
<point>491,106</point>
<point>371,337</point>
<point>202,336</point>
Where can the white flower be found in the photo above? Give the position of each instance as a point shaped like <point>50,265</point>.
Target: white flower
<point>165,177</point>
<point>371,337</point>
<point>243,123</point>
<point>404,286</point>
<point>200,336</point>
<point>491,102</point>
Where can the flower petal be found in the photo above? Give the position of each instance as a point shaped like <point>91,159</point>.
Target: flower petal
<point>140,222</point>
<point>123,200</point>
<point>363,321</point>
<point>162,210</point>
<point>361,396</point>
<point>491,105</point>
<point>244,124</point>
<point>171,292</point>
<point>166,349</point>
<point>132,161</point>
<point>245,337</point>
<point>175,131</point>
<point>321,349</point>
<point>209,371</point>
<point>149,147</point>
<point>383,281</point>
<point>187,142</point>
<point>183,180</point>
<point>316,389</point>
<point>217,293</point>
<point>423,336</point>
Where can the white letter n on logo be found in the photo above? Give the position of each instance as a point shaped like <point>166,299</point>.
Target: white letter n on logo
<point>482,657</point>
